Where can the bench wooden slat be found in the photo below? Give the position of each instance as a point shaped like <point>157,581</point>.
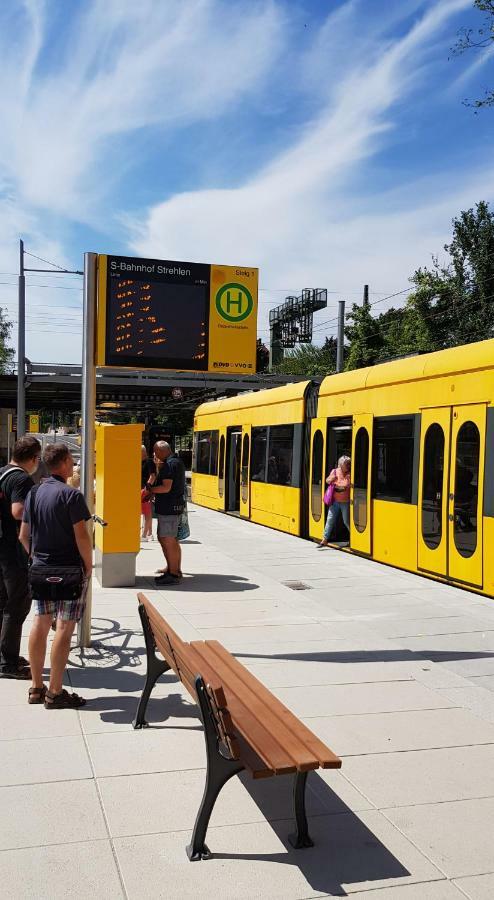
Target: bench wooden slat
<point>187,664</point>
<point>245,722</point>
<point>326,759</point>
<point>182,661</point>
<point>276,735</point>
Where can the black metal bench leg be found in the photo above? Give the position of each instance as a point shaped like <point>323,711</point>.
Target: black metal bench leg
<point>155,668</point>
<point>300,838</point>
<point>219,770</point>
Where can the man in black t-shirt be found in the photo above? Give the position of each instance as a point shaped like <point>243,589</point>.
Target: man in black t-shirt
<point>169,501</point>
<point>15,599</point>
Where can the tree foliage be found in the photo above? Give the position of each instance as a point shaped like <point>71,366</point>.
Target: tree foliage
<point>309,360</point>
<point>6,352</point>
<point>480,38</point>
<point>449,305</point>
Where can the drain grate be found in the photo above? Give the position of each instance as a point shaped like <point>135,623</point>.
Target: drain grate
<point>297,585</point>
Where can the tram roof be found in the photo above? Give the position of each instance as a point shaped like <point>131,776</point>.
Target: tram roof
<point>268,397</point>
<point>454,360</point>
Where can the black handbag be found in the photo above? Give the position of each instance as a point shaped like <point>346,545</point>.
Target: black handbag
<point>53,582</point>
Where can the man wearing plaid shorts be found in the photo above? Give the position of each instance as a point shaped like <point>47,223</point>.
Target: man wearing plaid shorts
<point>54,531</point>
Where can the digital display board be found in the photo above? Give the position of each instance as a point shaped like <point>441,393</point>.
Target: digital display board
<point>162,314</point>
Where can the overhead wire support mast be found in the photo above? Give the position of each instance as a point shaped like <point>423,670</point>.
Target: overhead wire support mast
<point>291,322</point>
<point>21,328</point>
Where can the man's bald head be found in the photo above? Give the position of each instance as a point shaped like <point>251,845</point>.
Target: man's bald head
<point>162,450</point>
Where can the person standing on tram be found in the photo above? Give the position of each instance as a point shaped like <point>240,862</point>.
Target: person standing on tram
<point>340,478</point>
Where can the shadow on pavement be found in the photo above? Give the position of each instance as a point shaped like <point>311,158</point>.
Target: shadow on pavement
<point>352,656</point>
<point>346,851</point>
<point>202,581</point>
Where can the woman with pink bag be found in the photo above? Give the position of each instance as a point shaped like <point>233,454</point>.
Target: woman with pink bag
<point>337,497</point>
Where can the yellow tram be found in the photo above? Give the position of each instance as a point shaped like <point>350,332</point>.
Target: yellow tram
<point>420,433</point>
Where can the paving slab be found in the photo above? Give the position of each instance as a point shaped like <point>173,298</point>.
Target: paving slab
<point>478,887</point>
<point>60,872</point>
<point>432,890</point>
<point>169,801</point>
<point>424,776</point>
<point>295,673</point>
<point>43,759</point>
<point>159,749</point>
<point>348,699</point>
<point>399,731</point>
<point>255,861</point>
<point>65,812</point>
<point>456,836</point>
<point>24,722</point>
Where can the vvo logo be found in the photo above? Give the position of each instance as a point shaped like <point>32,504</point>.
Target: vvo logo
<point>234,302</point>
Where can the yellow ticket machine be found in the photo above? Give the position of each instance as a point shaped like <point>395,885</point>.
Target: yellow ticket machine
<point>118,502</point>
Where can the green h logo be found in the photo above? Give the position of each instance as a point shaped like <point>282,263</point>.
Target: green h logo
<point>234,302</point>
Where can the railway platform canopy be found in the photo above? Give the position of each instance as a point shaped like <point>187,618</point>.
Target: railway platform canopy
<point>393,671</point>
<point>55,385</point>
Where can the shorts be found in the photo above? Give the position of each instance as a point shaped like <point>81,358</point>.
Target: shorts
<point>168,526</point>
<point>66,610</point>
<point>146,508</point>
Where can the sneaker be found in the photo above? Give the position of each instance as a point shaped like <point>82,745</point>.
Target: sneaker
<point>167,578</point>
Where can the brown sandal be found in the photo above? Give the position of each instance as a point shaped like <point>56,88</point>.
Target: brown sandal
<point>63,700</point>
<point>36,695</point>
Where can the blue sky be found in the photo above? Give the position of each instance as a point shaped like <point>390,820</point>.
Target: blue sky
<point>325,142</point>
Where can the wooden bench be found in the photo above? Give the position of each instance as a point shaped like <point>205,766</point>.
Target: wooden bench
<point>245,726</point>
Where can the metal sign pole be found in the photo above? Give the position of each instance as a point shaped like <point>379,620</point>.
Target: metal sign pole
<point>21,346</point>
<point>340,345</point>
<point>88,414</point>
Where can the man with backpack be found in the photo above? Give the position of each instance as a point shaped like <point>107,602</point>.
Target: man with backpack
<point>54,532</point>
<point>15,599</point>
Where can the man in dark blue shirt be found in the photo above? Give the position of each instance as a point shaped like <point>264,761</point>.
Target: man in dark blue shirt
<point>54,529</point>
<point>169,501</point>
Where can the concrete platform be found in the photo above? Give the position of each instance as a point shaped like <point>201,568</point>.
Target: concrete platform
<point>393,671</point>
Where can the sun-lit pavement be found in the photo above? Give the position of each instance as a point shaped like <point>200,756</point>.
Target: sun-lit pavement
<point>394,672</point>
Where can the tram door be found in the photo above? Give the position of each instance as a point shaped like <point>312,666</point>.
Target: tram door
<point>244,473</point>
<point>317,477</point>
<point>450,536</point>
<point>360,491</point>
<point>232,469</point>
<point>435,437</point>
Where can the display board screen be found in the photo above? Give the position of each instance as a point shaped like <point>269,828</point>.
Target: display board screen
<point>162,314</point>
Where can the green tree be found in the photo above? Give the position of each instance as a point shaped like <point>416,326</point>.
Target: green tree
<point>310,360</point>
<point>6,352</point>
<point>364,336</point>
<point>449,305</point>
<point>480,38</point>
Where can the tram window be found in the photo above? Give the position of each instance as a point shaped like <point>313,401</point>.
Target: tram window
<point>213,462</point>
<point>393,459</point>
<point>258,454</point>
<point>207,453</point>
<point>221,473</point>
<point>360,479</point>
<point>280,454</point>
<point>432,489</point>
<point>466,489</point>
<point>317,475</point>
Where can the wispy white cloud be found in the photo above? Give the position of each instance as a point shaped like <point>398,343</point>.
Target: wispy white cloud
<point>122,67</point>
<point>298,218</point>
